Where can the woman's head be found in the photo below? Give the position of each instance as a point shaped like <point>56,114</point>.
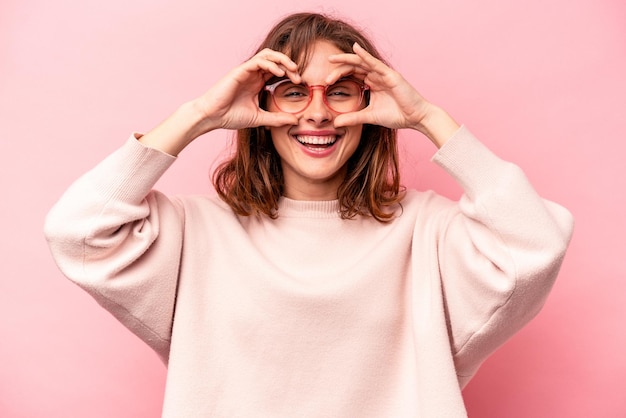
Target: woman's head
<point>252,181</point>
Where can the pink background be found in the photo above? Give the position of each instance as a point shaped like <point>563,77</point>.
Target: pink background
<point>542,82</point>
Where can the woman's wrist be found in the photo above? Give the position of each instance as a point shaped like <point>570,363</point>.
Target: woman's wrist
<point>177,131</point>
<point>437,125</point>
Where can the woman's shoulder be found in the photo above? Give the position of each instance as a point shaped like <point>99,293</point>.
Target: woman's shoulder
<point>419,206</point>
<point>204,205</point>
<point>423,199</point>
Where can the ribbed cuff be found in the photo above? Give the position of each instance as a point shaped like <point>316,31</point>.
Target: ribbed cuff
<point>131,171</point>
<point>469,161</point>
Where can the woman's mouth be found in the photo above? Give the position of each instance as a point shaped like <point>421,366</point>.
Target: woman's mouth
<point>317,141</point>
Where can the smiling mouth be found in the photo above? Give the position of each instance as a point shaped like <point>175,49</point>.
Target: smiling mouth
<point>315,141</point>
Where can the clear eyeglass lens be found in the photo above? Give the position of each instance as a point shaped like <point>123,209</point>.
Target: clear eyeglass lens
<point>343,96</point>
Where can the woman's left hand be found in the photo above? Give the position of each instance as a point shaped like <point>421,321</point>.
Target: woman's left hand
<point>394,103</point>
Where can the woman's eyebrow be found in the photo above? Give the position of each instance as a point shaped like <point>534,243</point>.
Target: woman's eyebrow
<point>275,79</point>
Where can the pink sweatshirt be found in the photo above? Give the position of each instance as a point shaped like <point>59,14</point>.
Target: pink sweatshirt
<point>310,315</point>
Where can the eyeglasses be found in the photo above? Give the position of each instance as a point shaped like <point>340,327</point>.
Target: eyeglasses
<point>346,95</point>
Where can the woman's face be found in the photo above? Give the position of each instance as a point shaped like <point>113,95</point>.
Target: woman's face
<point>314,153</point>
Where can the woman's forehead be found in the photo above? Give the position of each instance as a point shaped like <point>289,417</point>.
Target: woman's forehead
<point>317,66</point>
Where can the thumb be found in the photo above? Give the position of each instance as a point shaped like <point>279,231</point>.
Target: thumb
<point>276,119</point>
<point>351,119</point>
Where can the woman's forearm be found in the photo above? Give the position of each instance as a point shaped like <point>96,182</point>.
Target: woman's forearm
<point>438,126</point>
<point>177,131</point>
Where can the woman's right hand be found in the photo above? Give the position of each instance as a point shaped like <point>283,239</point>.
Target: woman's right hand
<point>232,103</point>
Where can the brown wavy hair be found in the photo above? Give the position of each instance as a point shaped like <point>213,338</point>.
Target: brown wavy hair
<point>251,181</point>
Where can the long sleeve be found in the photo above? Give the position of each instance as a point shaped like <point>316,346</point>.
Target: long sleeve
<point>499,252</point>
<point>104,234</point>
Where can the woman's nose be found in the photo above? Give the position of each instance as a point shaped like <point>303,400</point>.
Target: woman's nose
<point>318,110</point>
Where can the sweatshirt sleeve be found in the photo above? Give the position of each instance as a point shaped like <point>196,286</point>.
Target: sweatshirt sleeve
<point>121,242</point>
<point>499,253</point>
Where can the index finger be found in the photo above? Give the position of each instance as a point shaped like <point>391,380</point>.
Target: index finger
<point>371,61</point>
<point>344,71</point>
<point>282,61</point>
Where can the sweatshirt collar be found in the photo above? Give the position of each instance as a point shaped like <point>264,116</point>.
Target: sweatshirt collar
<point>308,208</point>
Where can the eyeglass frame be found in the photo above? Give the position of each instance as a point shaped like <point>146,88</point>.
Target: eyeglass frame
<point>272,87</point>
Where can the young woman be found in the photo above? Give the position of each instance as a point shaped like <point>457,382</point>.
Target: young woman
<point>315,285</point>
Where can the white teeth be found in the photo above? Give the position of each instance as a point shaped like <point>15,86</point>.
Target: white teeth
<point>316,140</point>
